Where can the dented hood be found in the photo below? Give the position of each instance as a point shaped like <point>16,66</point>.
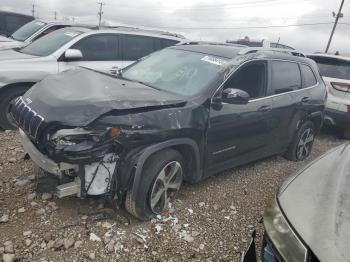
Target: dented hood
<point>317,204</point>
<point>78,97</point>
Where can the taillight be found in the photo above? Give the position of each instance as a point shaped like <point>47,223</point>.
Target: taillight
<point>341,86</point>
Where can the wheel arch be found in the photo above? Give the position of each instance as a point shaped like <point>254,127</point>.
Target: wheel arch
<point>185,146</point>
<point>316,118</point>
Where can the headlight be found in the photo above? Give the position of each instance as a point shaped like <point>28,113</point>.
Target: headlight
<point>79,139</point>
<point>282,236</point>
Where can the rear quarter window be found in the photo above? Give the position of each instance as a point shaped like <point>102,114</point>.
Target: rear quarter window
<point>308,76</point>
<point>285,77</point>
<point>333,67</point>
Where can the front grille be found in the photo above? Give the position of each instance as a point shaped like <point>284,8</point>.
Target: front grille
<point>27,119</point>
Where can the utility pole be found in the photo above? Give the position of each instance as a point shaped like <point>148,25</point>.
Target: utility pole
<point>100,13</point>
<point>337,16</point>
<point>33,10</point>
<point>55,15</point>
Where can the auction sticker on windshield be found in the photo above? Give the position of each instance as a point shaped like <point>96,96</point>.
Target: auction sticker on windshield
<point>213,60</point>
<point>71,34</point>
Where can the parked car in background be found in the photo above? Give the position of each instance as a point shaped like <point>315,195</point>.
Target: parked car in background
<point>335,70</point>
<point>259,43</point>
<point>182,113</point>
<point>309,218</point>
<point>29,33</point>
<point>10,22</point>
<point>106,50</point>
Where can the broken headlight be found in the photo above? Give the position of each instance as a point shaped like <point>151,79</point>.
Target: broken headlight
<point>79,139</point>
<point>282,236</point>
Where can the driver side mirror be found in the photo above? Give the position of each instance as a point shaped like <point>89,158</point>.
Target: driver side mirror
<point>234,96</point>
<point>72,55</point>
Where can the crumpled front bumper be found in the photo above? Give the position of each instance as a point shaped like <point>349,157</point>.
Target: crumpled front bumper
<point>42,160</point>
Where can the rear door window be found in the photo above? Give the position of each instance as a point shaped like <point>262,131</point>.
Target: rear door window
<point>308,76</point>
<point>333,67</point>
<point>134,47</point>
<point>102,47</point>
<point>285,77</point>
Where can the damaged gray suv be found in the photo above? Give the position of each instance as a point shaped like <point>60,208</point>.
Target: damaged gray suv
<point>180,114</point>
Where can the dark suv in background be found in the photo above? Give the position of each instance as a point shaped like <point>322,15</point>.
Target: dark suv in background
<point>180,114</point>
<point>10,22</point>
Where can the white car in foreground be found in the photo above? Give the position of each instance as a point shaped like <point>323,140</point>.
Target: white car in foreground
<point>335,70</point>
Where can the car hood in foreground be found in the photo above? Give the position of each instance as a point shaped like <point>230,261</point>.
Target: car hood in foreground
<point>78,97</point>
<point>317,204</point>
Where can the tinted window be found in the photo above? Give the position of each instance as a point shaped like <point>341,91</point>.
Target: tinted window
<point>14,22</point>
<point>50,43</point>
<point>135,47</point>
<point>333,67</point>
<point>285,77</point>
<point>167,43</point>
<point>27,30</point>
<point>309,78</point>
<point>101,47</point>
<point>250,78</point>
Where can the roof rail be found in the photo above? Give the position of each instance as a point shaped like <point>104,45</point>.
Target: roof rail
<point>137,29</point>
<point>250,50</point>
<point>210,43</point>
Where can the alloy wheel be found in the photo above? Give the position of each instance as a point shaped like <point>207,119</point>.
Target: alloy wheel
<point>305,144</point>
<point>165,187</point>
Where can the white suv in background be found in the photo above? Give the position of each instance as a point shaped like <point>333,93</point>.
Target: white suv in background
<point>335,70</point>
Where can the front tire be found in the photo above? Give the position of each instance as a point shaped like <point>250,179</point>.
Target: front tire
<point>7,97</point>
<point>301,146</point>
<point>162,176</point>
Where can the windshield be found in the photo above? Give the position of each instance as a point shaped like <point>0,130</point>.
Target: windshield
<point>50,43</point>
<point>27,30</point>
<point>177,71</point>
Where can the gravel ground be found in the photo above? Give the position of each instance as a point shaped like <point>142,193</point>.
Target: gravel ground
<point>209,221</point>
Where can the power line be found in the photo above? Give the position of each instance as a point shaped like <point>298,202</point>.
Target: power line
<point>100,13</point>
<point>249,27</point>
<point>337,16</point>
<point>225,6</point>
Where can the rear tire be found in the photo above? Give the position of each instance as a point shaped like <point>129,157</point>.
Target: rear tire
<point>301,146</point>
<point>7,97</point>
<point>161,178</point>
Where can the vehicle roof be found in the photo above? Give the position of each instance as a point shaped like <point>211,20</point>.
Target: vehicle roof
<point>128,30</point>
<point>231,51</point>
<point>224,50</point>
<point>330,56</point>
<point>14,13</point>
<point>53,22</point>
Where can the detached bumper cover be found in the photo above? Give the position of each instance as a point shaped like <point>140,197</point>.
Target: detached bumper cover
<point>338,118</point>
<point>41,160</point>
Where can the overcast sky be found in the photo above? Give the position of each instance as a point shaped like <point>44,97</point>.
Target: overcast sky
<point>217,20</point>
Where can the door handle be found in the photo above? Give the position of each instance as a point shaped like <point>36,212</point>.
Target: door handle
<point>305,99</point>
<point>114,70</point>
<point>264,108</point>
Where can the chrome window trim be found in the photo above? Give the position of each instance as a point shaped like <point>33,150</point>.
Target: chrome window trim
<point>271,96</point>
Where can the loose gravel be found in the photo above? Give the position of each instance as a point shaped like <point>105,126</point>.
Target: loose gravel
<point>210,221</point>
